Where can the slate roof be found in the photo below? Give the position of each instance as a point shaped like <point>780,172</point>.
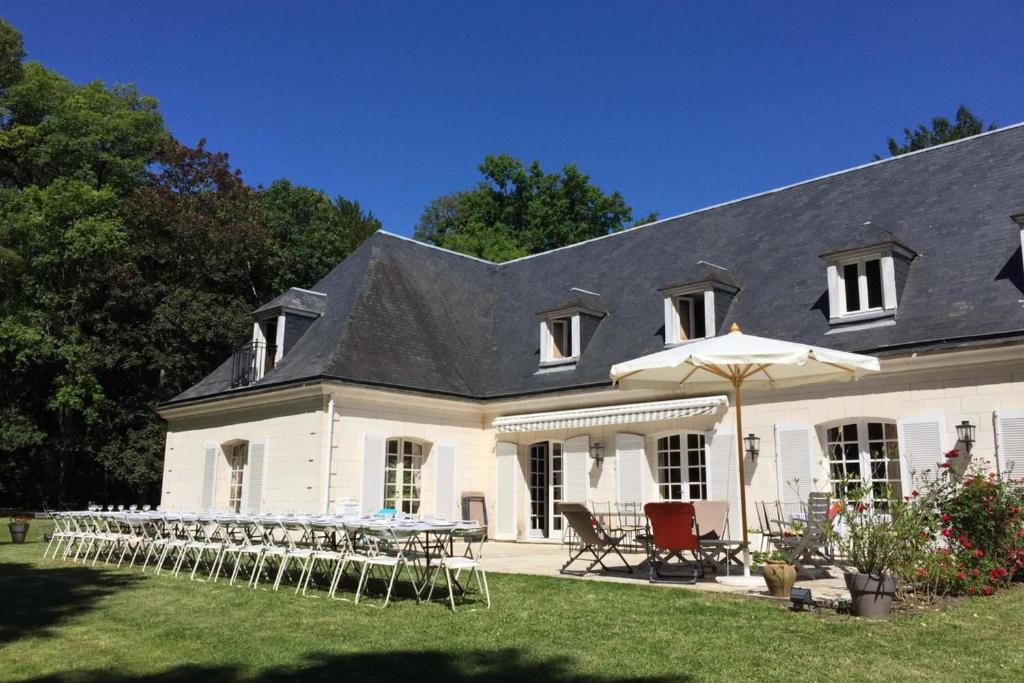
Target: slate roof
<point>295,299</point>
<point>403,314</point>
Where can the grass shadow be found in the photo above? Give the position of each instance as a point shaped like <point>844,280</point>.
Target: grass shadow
<point>500,666</point>
<point>36,599</point>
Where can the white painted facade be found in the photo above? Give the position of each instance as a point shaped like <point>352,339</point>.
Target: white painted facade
<point>925,397</point>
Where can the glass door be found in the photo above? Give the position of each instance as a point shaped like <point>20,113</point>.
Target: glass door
<point>538,484</point>
<point>554,513</point>
<point>545,483</point>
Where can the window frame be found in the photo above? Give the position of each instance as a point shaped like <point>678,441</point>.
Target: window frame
<point>238,463</point>
<point>685,467</point>
<point>415,473</point>
<point>570,320</point>
<point>673,321</point>
<point>837,285</point>
<point>865,462</point>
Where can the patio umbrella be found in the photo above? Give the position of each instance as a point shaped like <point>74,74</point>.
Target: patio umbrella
<point>736,360</point>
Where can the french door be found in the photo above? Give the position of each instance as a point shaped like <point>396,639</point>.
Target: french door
<point>545,484</point>
<point>865,454</point>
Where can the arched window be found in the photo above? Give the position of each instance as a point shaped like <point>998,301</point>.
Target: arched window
<point>237,454</point>
<point>864,453</point>
<point>682,466</point>
<point>402,475</point>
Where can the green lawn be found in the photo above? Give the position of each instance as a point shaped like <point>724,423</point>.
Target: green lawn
<point>72,623</point>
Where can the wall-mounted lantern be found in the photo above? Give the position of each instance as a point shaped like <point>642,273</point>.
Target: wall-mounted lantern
<point>965,435</point>
<point>753,443</point>
<point>597,452</point>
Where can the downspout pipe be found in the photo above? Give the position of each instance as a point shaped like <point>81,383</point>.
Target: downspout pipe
<point>328,452</point>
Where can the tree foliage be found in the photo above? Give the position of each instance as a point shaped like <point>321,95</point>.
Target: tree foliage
<point>128,265</point>
<point>516,210</point>
<point>942,130</point>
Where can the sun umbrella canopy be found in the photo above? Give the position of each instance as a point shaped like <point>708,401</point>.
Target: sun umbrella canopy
<point>705,364</point>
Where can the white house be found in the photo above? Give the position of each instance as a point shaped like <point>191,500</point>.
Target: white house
<point>410,375</point>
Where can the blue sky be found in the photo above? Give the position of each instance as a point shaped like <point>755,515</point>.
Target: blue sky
<point>676,105</point>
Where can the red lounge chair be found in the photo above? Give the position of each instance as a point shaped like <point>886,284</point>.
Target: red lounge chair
<point>672,531</point>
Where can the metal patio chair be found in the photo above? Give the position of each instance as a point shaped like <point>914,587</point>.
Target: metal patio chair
<point>810,547</point>
<point>471,560</point>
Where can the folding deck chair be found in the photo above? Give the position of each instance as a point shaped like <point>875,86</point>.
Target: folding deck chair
<point>672,531</point>
<point>592,538</point>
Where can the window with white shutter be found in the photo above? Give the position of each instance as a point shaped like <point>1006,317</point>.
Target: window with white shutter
<point>209,476</point>
<point>1010,442</point>
<point>920,442</point>
<point>575,487</point>
<point>506,482</point>
<point>444,482</point>
<point>795,465</point>
<point>373,473</point>
<point>723,474</point>
<point>254,476</point>
<point>630,458</point>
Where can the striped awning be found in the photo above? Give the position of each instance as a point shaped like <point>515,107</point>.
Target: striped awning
<point>611,415</point>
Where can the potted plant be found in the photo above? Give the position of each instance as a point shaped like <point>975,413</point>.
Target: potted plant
<point>779,575</point>
<point>871,540</point>
<point>19,528</point>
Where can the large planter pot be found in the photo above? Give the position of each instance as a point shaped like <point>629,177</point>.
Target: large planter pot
<point>18,531</point>
<point>780,577</point>
<point>871,595</point>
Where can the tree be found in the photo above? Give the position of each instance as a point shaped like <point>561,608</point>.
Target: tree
<point>517,210</point>
<point>311,232</point>
<point>966,125</point>
<point>12,51</point>
<point>128,266</point>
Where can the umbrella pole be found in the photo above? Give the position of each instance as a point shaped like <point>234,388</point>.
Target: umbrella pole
<point>743,477</point>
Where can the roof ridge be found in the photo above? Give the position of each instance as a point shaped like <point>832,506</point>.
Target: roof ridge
<point>364,279</point>
<point>719,205</point>
<point>381,231</point>
<point>764,193</point>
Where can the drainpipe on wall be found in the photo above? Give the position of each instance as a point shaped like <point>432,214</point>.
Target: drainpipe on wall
<point>328,451</point>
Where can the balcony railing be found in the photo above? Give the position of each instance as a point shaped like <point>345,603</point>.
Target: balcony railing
<point>251,362</point>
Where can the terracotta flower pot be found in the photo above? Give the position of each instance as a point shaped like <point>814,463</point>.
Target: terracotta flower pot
<point>18,531</point>
<point>780,577</point>
<point>871,595</point>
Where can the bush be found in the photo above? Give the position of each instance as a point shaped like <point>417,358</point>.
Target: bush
<point>969,537</point>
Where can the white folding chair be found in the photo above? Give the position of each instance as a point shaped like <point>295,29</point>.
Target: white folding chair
<point>385,546</point>
<point>471,560</point>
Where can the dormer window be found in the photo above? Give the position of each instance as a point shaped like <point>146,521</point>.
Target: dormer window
<point>559,339</point>
<point>693,309</point>
<point>864,283</point>
<point>568,326</point>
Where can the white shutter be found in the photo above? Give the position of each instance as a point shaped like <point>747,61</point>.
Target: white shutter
<point>506,484</point>
<point>373,473</point>
<point>795,464</point>
<point>253,478</point>
<point>444,482</point>
<point>575,487</point>
<point>920,440</point>
<point>723,474</point>
<point>629,468</point>
<point>1010,442</point>
<point>209,476</point>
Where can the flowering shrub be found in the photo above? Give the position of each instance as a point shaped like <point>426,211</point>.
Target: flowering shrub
<point>872,541</point>
<point>969,533</point>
